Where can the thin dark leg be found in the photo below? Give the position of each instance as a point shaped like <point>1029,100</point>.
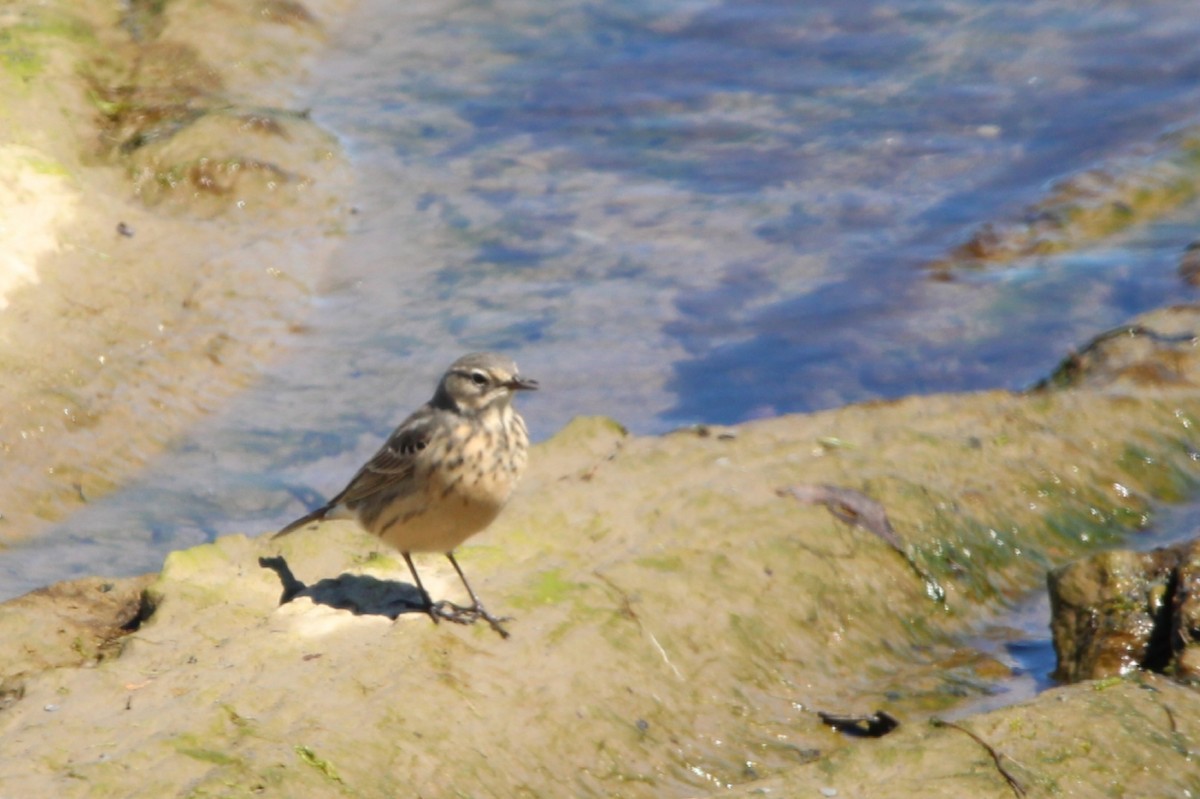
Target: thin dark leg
<point>424,594</point>
<point>450,611</point>
<point>477,607</point>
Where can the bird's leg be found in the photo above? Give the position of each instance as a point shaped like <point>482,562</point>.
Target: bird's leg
<point>426,602</point>
<point>457,613</point>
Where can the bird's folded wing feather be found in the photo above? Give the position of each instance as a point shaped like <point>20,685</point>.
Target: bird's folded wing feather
<point>395,461</point>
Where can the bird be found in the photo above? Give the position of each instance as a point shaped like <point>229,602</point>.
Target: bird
<point>443,475</point>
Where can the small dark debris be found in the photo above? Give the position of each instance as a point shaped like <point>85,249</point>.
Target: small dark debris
<point>643,725</point>
<point>850,506</point>
<point>705,431</point>
<point>125,230</point>
<point>876,725</point>
<point>262,123</point>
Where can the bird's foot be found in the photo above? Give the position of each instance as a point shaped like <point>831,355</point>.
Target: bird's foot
<point>458,614</point>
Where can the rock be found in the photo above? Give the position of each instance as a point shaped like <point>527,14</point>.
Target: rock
<point>67,625</point>
<point>1134,356</point>
<point>1093,740</point>
<point>1120,611</point>
<point>677,624</point>
<point>1185,618</point>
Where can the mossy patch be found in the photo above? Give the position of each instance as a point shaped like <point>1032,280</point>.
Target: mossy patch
<point>548,588</point>
<point>1157,473</point>
<point>321,765</point>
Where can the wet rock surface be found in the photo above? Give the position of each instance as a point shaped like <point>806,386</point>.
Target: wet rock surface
<point>166,214</point>
<point>1091,206</point>
<point>1131,355</point>
<point>67,625</point>
<point>1087,740</point>
<point>680,628</point>
<point>1119,611</point>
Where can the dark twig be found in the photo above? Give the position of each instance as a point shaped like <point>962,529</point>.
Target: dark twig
<point>1017,790</point>
<point>626,603</point>
<point>628,612</point>
<point>1170,718</point>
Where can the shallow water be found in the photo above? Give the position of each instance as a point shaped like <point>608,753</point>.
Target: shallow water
<point>1021,640</point>
<point>675,212</point>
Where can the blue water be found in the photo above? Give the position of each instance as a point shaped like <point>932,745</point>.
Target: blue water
<point>674,212</point>
<point>764,182</point>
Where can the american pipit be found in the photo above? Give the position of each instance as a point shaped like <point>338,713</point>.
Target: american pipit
<point>444,474</point>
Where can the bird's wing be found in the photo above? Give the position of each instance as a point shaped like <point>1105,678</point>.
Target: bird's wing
<point>395,461</point>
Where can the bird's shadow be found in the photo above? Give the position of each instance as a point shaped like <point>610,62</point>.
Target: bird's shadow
<point>361,594</point>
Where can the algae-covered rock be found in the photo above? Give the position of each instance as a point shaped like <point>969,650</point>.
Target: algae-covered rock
<point>1119,611</point>
<point>1185,615</point>
<point>1109,612</point>
<point>1090,206</point>
<point>67,625</point>
<point>678,625</point>
<point>1117,739</point>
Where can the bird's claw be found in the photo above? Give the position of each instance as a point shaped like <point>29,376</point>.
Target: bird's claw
<point>458,614</point>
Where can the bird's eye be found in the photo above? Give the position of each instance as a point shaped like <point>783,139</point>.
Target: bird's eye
<point>479,378</point>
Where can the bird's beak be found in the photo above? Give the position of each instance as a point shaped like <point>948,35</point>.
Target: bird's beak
<point>519,383</point>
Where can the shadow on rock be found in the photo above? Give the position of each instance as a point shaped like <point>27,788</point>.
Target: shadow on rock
<point>360,594</point>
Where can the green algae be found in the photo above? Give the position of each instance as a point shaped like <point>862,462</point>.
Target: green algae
<point>710,610</point>
<point>310,758</point>
<point>1158,473</point>
<point>1090,207</point>
<point>24,45</point>
<point>46,166</point>
<point>663,563</point>
<point>183,564</point>
<point>380,561</point>
<point>548,588</point>
<point>211,756</point>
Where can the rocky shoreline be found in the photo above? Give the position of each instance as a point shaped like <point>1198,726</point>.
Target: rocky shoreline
<point>679,625</point>
<point>682,623</point>
<point>168,210</point>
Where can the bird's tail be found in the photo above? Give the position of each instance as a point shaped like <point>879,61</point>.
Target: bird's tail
<point>316,516</point>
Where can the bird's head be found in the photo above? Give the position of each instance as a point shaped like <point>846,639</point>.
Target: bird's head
<point>480,381</point>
